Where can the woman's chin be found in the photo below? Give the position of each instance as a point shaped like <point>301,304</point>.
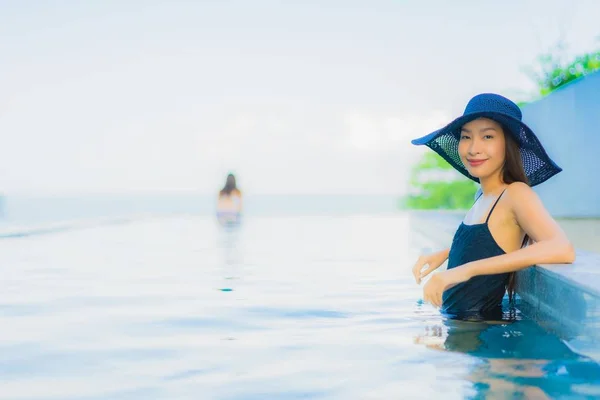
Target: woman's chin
<point>476,173</point>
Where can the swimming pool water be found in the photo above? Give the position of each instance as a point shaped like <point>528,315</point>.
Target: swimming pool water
<point>278,308</point>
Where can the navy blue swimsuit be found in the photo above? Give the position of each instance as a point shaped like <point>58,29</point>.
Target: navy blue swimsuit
<point>481,296</point>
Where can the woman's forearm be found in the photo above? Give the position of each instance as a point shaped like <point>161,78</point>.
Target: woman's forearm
<point>444,254</point>
<point>555,251</point>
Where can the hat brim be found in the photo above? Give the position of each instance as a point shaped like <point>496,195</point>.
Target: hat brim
<point>536,162</point>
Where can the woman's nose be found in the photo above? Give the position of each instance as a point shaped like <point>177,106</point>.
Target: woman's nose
<point>474,147</point>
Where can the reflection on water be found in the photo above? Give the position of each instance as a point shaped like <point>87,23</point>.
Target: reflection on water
<point>228,238</point>
<point>517,358</point>
<point>275,308</point>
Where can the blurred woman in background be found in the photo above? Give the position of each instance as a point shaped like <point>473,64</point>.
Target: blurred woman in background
<point>229,202</point>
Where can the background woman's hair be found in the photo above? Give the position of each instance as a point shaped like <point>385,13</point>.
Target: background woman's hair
<point>229,187</point>
<point>513,171</point>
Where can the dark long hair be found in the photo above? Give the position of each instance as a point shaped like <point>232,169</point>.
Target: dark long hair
<point>229,187</point>
<point>513,171</point>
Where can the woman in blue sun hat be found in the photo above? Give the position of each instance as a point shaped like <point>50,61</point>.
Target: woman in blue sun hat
<point>491,145</point>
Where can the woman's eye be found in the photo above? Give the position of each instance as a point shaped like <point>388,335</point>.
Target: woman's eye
<point>462,137</point>
<point>488,136</point>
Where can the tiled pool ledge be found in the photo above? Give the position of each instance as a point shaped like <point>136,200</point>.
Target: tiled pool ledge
<point>566,299</point>
<point>562,298</point>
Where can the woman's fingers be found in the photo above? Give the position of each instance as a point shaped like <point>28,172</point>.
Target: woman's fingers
<point>427,271</point>
<point>438,300</point>
<point>435,298</point>
<point>417,269</point>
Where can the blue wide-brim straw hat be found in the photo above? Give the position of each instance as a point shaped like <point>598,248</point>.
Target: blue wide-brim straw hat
<point>538,166</point>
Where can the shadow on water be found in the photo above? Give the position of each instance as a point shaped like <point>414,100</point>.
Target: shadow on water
<point>515,359</point>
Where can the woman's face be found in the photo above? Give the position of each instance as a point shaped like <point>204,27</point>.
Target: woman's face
<point>482,147</point>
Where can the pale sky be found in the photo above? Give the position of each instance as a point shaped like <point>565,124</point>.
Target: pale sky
<point>294,96</point>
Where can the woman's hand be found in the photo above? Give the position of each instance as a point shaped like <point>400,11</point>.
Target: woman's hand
<point>433,261</point>
<point>442,281</point>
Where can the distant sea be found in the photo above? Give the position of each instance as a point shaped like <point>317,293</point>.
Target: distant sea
<point>31,210</point>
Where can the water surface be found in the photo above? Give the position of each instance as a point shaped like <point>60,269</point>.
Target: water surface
<point>299,307</point>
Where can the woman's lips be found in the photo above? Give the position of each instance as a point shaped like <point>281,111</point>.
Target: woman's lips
<point>475,163</point>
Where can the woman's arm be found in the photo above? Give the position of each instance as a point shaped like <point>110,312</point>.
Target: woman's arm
<point>433,262</point>
<point>551,244</point>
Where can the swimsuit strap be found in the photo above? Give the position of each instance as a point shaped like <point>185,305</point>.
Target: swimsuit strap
<point>494,206</point>
<point>480,194</point>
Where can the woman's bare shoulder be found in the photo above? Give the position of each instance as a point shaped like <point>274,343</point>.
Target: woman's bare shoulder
<point>519,193</point>
<point>527,207</point>
<point>518,187</point>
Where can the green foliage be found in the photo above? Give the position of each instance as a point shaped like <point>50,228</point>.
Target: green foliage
<point>449,190</point>
<point>431,161</point>
<point>454,195</point>
<point>552,72</point>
